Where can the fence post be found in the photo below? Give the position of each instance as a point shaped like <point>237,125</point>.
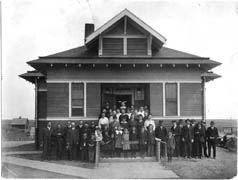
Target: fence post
<point>158,150</point>
<point>165,152</point>
<point>97,156</point>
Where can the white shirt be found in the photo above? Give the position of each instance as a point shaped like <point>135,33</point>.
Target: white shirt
<point>103,121</point>
<point>148,122</point>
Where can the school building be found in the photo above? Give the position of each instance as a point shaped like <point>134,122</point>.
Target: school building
<point>123,60</point>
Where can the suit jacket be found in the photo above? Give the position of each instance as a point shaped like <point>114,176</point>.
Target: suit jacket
<point>212,134</point>
<point>199,134</point>
<point>73,136</point>
<point>150,137</point>
<point>47,135</point>
<point>176,131</point>
<point>171,142</point>
<point>161,133</point>
<point>187,133</point>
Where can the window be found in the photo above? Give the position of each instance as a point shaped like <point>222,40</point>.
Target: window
<point>77,99</point>
<point>171,99</point>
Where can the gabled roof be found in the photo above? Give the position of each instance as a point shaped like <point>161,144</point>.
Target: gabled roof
<point>132,16</point>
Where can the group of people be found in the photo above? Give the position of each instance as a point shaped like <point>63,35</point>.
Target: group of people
<point>130,132</point>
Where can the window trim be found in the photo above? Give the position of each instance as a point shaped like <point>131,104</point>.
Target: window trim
<point>84,100</point>
<point>178,99</point>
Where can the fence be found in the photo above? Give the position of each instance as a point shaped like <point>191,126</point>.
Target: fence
<point>157,154</point>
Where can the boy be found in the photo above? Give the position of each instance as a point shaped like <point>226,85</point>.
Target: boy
<point>91,148</point>
<point>150,140</point>
<point>170,146</point>
<point>84,147</point>
<point>142,141</point>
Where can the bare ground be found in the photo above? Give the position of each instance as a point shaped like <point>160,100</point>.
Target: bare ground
<point>223,167</point>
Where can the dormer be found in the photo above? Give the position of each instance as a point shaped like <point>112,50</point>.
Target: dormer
<point>125,35</point>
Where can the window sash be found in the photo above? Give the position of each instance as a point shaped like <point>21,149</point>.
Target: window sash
<point>77,99</point>
<point>171,99</point>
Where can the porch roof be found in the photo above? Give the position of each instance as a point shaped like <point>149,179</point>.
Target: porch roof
<point>209,76</point>
<point>31,76</point>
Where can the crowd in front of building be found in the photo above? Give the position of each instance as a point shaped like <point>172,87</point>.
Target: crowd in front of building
<point>129,132</point>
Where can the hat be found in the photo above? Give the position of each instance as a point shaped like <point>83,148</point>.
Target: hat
<point>161,121</point>
<point>173,121</point>
<point>187,120</point>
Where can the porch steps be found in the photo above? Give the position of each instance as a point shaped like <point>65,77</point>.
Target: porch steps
<point>128,159</point>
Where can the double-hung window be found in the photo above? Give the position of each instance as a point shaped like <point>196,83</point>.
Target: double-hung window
<point>77,99</point>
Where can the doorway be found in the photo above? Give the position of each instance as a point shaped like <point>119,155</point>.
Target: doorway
<point>126,98</point>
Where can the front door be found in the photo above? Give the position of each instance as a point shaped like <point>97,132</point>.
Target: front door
<point>126,98</point>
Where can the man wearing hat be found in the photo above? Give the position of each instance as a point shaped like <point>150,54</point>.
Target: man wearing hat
<point>187,138</point>
<point>176,131</point>
<point>181,144</point>
<point>161,133</point>
<point>212,134</point>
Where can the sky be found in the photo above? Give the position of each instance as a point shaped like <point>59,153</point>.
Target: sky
<point>33,28</point>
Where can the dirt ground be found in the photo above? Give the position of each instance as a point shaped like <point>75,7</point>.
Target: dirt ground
<point>223,167</point>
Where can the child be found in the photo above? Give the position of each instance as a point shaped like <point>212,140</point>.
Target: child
<point>106,140</point>
<point>125,142</point>
<point>134,139</point>
<point>112,145</point>
<point>170,146</point>
<point>114,124</point>
<point>140,123</point>
<point>124,123</point>
<point>150,140</point>
<point>118,141</point>
<point>132,121</point>
<point>91,148</point>
<point>142,141</point>
<point>84,147</point>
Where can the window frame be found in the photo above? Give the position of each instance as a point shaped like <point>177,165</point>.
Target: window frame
<point>176,101</point>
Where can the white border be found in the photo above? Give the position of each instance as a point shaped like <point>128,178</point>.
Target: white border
<point>119,81</point>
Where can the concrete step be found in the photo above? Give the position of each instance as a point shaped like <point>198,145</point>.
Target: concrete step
<point>128,159</point>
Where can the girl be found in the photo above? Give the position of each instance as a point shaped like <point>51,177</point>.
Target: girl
<point>106,140</point>
<point>125,142</point>
<point>118,113</point>
<point>140,123</point>
<point>118,141</point>
<point>112,145</point>
<point>141,111</point>
<point>151,140</point>
<point>134,139</point>
<point>142,141</point>
<point>132,121</point>
<point>124,123</point>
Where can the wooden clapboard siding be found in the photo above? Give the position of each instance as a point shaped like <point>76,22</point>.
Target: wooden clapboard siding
<point>190,99</point>
<point>93,99</point>
<point>57,100</point>
<point>115,73</point>
<point>136,46</point>
<point>131,29</point>
<point>112,46</point>
<point>116,29</point>
<point>156,99</point>
<point>42,104</point>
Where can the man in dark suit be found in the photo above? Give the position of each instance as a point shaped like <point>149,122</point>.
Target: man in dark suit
<point>199,138</point>
<point>59,141</point>
<point>187,138</point>
<point>204,144</point>
<point>212,134</point>
<point>176,131</point>
<point>80,130</point>
<point>47,140</point>
<point>161,133</point>
<point>192,122</point>
<point>72,141</point>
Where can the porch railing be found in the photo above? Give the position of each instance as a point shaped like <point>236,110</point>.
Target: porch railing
<point>158,148</point>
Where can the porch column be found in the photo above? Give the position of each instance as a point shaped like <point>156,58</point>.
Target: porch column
<point>36,115</point>
<point>203,98</point>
